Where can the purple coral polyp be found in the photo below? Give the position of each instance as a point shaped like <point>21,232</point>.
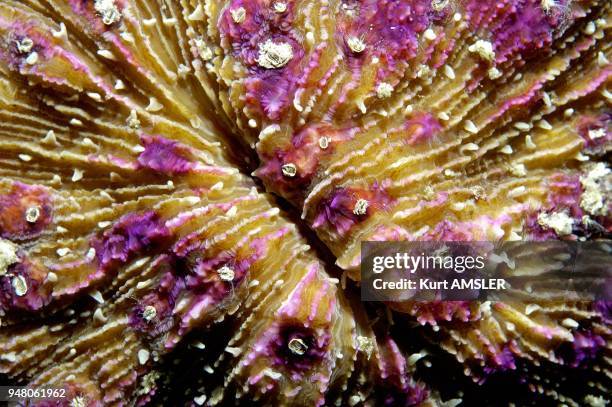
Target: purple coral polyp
<point>12,50</point>
<point>397,387</point>
<point>36,296</point>
<point>502,360</point>
<point>389,28</point>
<point>339,210</point>
<point>133,234</point>
<point>584,349</point>
<point>310,348</point>
<point>563,196</point>
<point>259,24</point>
<point>524,27</point>
<point>162,299</point>
<point>26,211</point>
<point>421,127</point>
<point>595,131</point>
<point>306,153</point>
<point>101,20</point>
<point>268,89</point>
<point>205,279</point>
<point>165,156</point>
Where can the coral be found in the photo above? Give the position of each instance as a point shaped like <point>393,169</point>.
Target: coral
<point>139,265</point>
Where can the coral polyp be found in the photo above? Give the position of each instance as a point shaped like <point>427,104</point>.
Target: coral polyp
<point>185,186</point>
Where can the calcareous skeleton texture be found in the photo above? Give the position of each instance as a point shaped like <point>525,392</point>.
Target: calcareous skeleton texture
<point>132,241</point>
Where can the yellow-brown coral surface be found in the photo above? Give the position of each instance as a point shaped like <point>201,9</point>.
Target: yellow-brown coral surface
<point>144,261</point>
